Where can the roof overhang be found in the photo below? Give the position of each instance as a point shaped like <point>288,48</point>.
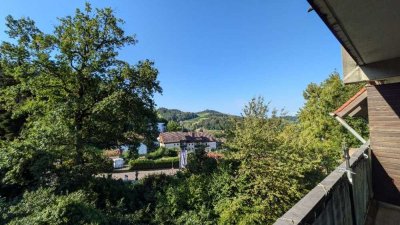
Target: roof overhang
<point>369,33</point>
<point>356,106</point>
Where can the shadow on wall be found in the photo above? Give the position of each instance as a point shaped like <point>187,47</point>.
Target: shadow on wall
<point>383,185</point>
<point>390,93</point>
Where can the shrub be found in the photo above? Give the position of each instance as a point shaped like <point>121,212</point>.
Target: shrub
<point>162,152</point>
<point>147,164</point>
<point>43,206</point>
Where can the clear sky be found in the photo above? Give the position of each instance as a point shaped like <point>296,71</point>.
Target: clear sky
<point>214,54</point>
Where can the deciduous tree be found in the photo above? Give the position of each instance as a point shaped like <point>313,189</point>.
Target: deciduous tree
<point>79,97</point>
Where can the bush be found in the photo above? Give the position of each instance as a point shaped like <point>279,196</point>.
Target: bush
<point>147,164</point>
<point>43,206</point>
<point>162,152</point>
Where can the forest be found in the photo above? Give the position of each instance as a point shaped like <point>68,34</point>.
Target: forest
<point>65,96</point>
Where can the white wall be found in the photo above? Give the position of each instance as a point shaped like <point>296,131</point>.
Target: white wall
<point>189,146</point>
<point>142,149</point>
<point>118,163</point>
<point>171,145</point>
<point>212,145</point>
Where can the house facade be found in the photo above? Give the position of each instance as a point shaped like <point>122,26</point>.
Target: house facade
<point>187,140</point>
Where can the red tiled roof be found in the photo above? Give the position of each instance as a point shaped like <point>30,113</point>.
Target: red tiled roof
<point>215,155</point>
<point>173,137</point>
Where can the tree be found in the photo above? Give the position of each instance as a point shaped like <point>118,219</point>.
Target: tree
<point>9,126</point>
<point>318,132</point>
<point>173,126</point>
<point>77,95</point>
<point>44,207</point>
<point>267,184</point>
<point>199,162</point>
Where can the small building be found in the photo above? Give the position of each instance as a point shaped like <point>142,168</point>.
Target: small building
<point>187,140</point>
<point>118,163</point>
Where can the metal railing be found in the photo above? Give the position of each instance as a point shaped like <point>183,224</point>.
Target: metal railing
<point>336,200</point>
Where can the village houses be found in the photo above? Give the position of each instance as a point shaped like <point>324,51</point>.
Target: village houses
<point>187,140</point>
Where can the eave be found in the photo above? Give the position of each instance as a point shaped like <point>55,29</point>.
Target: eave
<point>368,31</point>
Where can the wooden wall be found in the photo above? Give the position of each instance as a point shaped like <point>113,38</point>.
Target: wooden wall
<point>384,124</point>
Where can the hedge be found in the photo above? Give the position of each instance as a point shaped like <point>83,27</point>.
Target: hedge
<point>148,164</point>
<point>162,152</point>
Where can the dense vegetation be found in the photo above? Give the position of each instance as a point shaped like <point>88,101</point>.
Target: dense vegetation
<point>175,114</point>
<point>65,96</point>
<point>207,119</point>
<point>161,158</point>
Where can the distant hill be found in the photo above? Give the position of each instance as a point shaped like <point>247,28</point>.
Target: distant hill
<point>290,118</point>
<point>206,119</point>
<point>175,114</point>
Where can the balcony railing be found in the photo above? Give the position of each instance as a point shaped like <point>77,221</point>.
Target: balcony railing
<point>336,200</point>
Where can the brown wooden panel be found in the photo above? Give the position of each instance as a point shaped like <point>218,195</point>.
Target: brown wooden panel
<point>387,133</point>
<point>375,129</point>
<point>387,143</point>
<point>386,149</point>
<point>382,113</point>
<point>384,124</point>
<point>389,163</point>
<point>379,142</point>
<point>382,104</point>
<point>383,109</point>
<point>391,155</point>
<point>391,118</point>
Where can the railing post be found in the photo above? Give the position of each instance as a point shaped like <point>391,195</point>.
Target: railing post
<point>346,156</point>
<point>349,172</point>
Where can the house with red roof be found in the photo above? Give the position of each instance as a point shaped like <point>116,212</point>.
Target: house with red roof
<point>187,140</point>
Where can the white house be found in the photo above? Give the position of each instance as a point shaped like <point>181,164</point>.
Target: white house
<point>118,163</point>
<point>187,140</point>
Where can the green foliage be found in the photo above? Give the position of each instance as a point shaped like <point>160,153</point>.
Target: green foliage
<point>320,133</point>
<point>149,164</point>
<point>175,114</point>
<point>267,185</point>
<point>10,127</point>
<point>207,119</point>
<point>198,162</point>
<point>173,126</point>
<point>44,207</point>
<point>74,96</point>
<point>163,152</point>
<point>65,95</point>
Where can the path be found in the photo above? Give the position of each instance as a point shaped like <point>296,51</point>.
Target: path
<point>143,173</point>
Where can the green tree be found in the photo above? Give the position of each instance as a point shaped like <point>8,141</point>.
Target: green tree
<point>44,207</point>
<point>9,126</point>
<point>79,97</point>
<point>267,184</point>
<point>173,126</point>
<point>318,132</point>
<point>199,162</point>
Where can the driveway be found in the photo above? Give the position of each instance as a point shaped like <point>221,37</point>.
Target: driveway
<point>142,174</point>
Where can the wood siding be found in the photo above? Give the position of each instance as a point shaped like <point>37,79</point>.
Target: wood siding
<point>384,125</point>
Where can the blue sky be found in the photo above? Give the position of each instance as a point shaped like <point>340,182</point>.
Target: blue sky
<point>215,54</point>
